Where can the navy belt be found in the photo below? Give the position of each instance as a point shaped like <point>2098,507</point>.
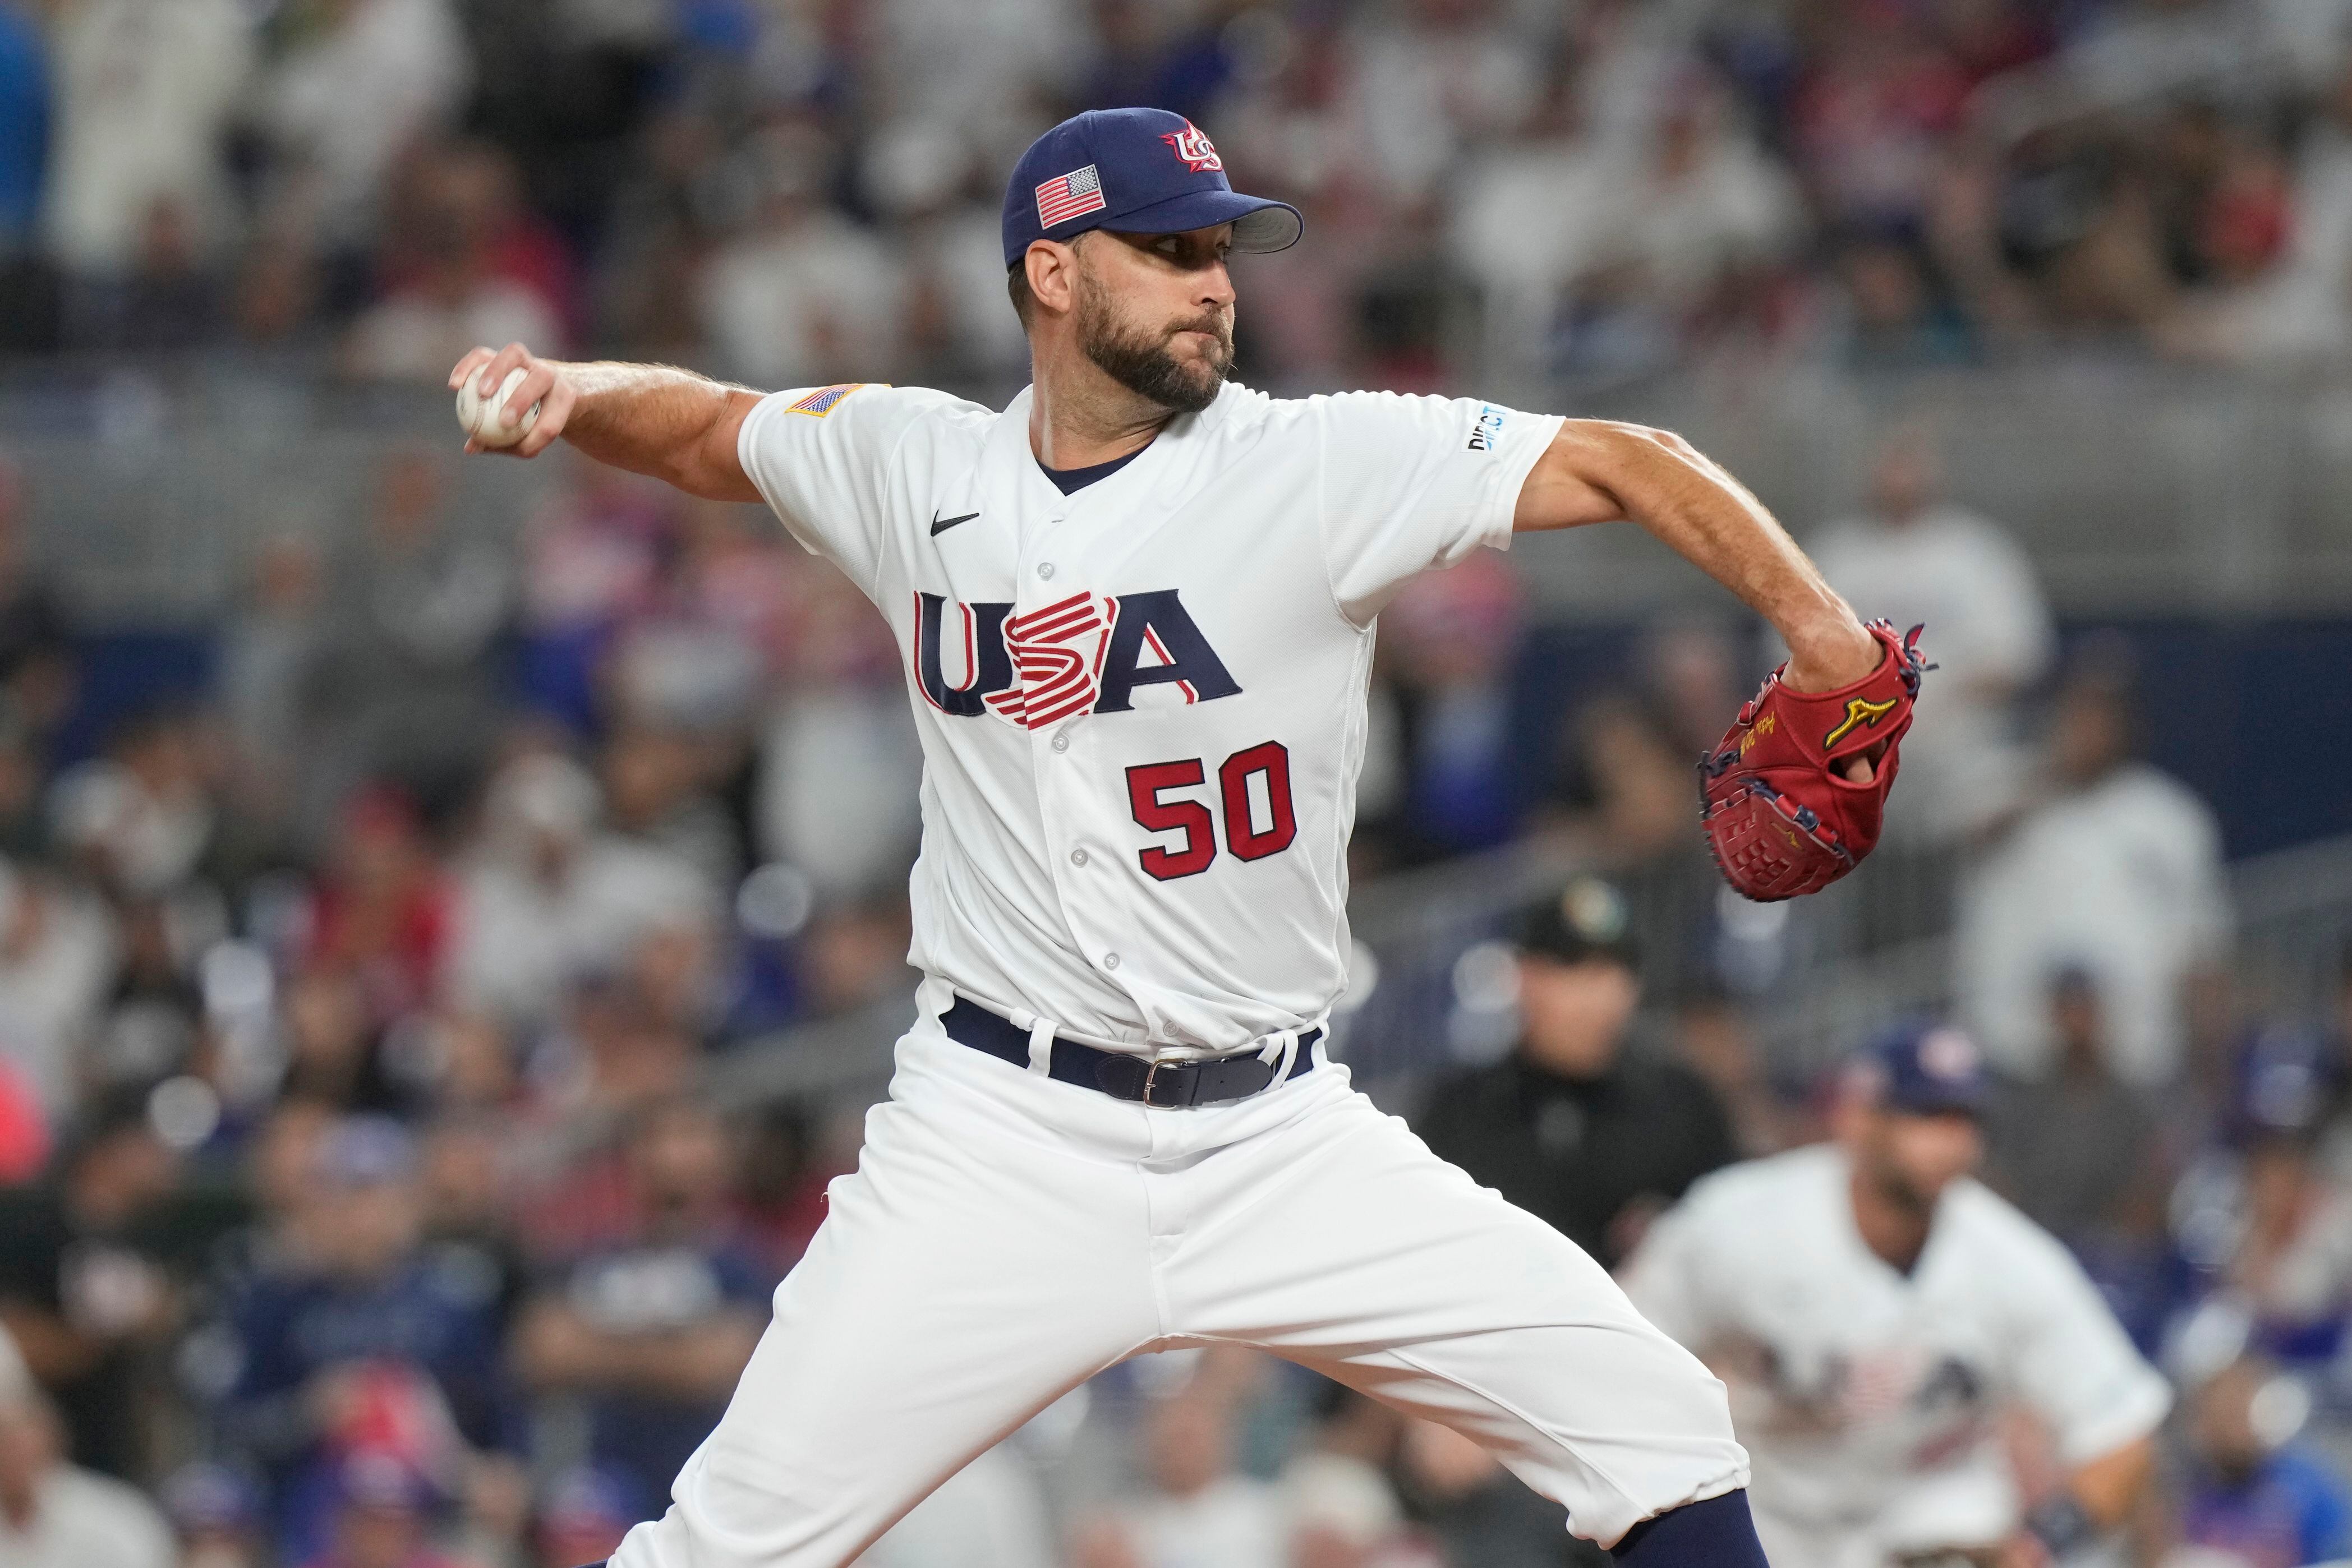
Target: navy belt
<point>1164,1085</point>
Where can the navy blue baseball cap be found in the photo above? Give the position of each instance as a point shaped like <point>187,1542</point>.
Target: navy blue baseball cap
<point>1133,170</point>
<point>1924,1068</point>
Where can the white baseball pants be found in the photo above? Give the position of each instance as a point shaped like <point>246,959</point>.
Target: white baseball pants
<point>1007,1237</point>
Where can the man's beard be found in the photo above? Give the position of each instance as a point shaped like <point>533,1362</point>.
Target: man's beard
<point>1143,362</point>
<point>1898,1190</point>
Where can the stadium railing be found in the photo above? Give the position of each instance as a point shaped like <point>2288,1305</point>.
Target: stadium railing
<point>2136,489</point>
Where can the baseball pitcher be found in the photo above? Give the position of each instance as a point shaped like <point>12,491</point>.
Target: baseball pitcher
<point>1137,613</point>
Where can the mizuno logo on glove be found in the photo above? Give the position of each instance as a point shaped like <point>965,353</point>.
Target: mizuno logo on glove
<point>1781,818</point>
<point>1858,711</point>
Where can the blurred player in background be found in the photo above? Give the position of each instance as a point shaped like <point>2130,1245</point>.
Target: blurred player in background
<point>1877,1313</point>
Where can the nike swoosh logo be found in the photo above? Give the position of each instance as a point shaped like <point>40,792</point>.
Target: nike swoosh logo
<point>940,525</point>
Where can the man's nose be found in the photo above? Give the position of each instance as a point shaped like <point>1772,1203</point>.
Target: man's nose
<point>1216,285</point>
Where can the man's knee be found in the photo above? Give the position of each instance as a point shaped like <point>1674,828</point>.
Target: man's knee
<point>1714,1533</point>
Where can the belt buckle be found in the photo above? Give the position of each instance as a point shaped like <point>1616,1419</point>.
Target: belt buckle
<point>1150,1078</point>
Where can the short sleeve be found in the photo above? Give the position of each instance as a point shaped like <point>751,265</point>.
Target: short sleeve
<point>821,457</point>
<point>1409,483</point>
<point>2072,1361</point>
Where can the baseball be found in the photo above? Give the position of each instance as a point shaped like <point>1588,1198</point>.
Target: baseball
<point>479,415</point>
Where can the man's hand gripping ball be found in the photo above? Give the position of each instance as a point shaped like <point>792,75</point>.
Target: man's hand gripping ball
<point>1783,816</point>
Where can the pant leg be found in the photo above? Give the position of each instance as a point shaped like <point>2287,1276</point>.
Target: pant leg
<point>977,1265</point>
<point>1339,1241</point>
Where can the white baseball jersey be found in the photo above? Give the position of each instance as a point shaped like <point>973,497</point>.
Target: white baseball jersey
<point>1142,705</point>
<point>1142,711</point>
<point>1867,1397</point>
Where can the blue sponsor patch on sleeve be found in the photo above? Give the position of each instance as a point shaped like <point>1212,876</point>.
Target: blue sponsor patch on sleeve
<point>1486,428</point>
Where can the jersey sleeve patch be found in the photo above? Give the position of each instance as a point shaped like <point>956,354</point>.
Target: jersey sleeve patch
<point>819,403</point>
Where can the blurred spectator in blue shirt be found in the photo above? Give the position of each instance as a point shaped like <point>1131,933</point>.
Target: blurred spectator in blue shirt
<point>1451,637</point>
<point>650,1333</point>
<point>361,1339</point>
<point>2252,1496</point>
<point>24,121</point>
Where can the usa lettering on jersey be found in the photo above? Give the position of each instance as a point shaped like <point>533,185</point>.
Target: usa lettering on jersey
<point>1176,875</point>
<point>1087,653</point>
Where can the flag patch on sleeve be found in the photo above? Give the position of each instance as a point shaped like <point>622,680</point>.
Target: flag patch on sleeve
<point>820,403</point>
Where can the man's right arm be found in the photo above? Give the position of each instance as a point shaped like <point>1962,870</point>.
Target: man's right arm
<point>670,424</point>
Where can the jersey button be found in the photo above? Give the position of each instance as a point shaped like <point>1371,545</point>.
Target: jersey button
<point>1045,569</point>
<point>1077,857</point>
<point>1110,960</point>
<point>1061,743</point>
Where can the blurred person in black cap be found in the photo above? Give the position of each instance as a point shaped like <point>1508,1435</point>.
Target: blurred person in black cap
<point>1579,1125</point>
<point>1879,1313</point>
<point>89,1266</point>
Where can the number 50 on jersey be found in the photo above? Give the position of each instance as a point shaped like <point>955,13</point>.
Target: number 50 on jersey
<point>1091,653</point>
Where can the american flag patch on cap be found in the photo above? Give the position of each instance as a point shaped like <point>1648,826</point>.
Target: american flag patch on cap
<point>820,401</point>
<point>1070,195</point>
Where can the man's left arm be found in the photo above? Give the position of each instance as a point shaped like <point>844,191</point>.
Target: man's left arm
<point>2096,1500</point>
<point>2072,1363</point>
<point>1599,471</point>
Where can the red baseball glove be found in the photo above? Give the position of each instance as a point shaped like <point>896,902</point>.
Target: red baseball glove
<point>1781,816</point>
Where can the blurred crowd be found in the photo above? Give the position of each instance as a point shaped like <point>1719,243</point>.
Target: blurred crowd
<point>803,191</point>
<point>362,1201</point>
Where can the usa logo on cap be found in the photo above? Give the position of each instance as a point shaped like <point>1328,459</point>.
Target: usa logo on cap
<point>1193,146</point>
<point>1070,195</point>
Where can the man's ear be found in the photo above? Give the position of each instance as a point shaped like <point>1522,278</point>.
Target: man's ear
<point>1053,273</point>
